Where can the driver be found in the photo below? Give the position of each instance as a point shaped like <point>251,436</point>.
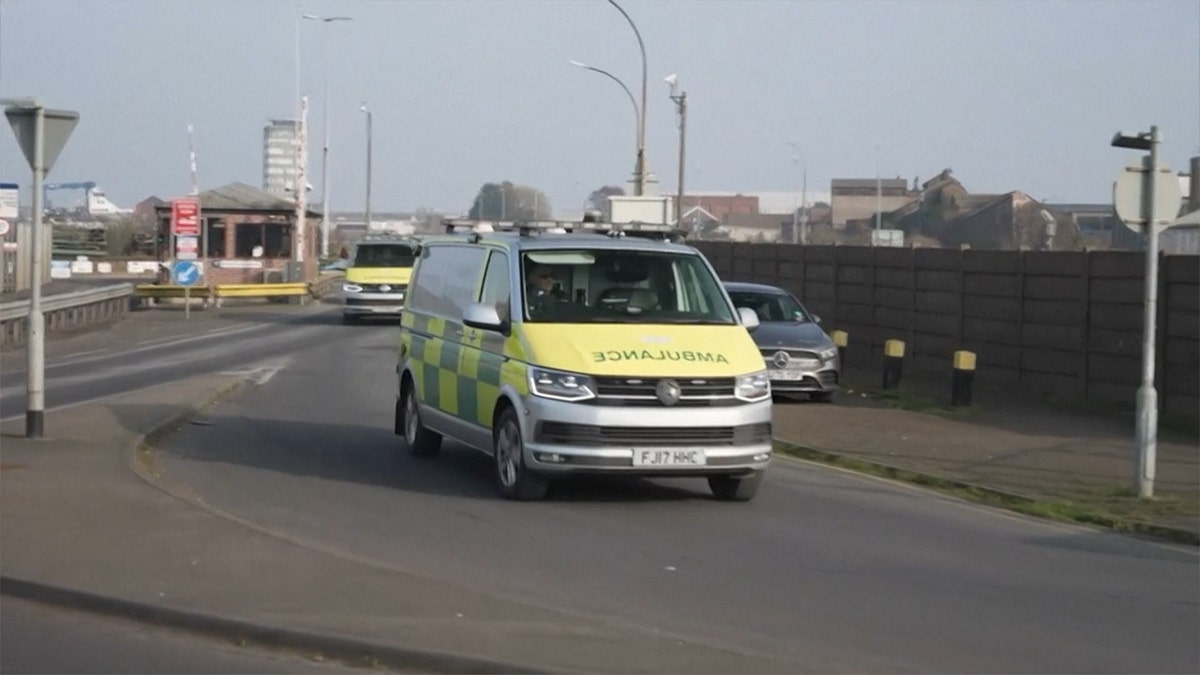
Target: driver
<point>540,290</point>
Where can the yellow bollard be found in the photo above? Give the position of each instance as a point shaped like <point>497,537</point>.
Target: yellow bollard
<point>893,363</point>
<point>963,378</point>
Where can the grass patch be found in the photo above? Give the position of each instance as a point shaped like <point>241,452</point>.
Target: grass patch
<point>1116,508</point>
<point>900,399</point>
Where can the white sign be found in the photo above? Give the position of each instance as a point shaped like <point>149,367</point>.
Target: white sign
<point>3,227</point>
<point>238,264</point>
<point>60,269</point>
<point>10,246</point>
<point>104,268</point>
<point>1127,196</point>
<point>187,248</point>
<point>9,201</point>
<point>141,267</point>
<point>82,267</point>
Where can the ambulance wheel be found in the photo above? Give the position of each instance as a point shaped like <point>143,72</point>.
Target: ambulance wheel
<point>513,478</point>
<point>735,488</point>
<point>421,441</point>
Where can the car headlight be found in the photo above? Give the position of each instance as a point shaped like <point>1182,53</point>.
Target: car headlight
<point>752,387</point>
<point>828,354</point>
<point>561,386</point>
<point>352,288</point>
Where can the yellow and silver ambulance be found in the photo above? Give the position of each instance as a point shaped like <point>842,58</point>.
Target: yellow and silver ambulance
<point>377,277</point>
<point>569,348</point>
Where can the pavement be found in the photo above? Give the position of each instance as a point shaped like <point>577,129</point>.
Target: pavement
<point>88,522</point>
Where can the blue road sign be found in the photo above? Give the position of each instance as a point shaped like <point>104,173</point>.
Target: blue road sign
<point>185,272</point>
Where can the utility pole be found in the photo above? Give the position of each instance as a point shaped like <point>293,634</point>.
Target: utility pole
<point>680,100</point>
<point>299,241</point>
<point>366,110</point>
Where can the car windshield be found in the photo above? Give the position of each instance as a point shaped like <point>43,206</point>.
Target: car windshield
<point>771,306</point>
<point>621,286</point>
<point>384,255</point>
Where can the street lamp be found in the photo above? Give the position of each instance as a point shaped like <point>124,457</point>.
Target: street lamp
<point>639,184</point>
<point>614,78</point>
<point>368,112</point>
<point>680,100</point>
<point>325,141</point>
<point>802,235</point>
<point>1147,396</point>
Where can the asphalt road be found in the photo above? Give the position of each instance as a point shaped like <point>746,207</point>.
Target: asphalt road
<point>833,570</point>
<point>159,345</point>
<point>44,639</point>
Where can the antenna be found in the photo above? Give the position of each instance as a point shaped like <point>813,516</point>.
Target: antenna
<point>192,160</point>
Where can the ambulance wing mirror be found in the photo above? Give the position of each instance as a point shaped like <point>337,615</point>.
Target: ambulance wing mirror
<point>749,318</point>
<point>484,317</point>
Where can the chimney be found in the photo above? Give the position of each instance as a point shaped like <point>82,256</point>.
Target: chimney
<point>1194,186</point>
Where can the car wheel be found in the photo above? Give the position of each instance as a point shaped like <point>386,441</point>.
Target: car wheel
<point>735,488</point>
<point>513,478</point>
<point>421,441</point>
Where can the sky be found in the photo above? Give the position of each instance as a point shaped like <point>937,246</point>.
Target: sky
<point>1009,95</point>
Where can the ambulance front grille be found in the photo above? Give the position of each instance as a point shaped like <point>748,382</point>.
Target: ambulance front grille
<point>639,391</point>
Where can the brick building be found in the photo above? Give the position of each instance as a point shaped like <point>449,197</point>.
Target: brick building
<point>859,198</point>
<point>246,235</point>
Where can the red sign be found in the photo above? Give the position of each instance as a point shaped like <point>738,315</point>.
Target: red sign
<point>185,217</point>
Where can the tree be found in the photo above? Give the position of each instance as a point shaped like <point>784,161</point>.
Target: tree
<point>509,201</point>
<point>599,197</point>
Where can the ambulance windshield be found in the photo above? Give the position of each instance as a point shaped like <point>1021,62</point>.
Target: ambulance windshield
<point>621,286</point>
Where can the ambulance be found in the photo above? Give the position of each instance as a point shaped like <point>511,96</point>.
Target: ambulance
<point>561,348</point>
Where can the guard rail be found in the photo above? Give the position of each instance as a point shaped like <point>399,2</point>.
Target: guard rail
<point>65,311</point>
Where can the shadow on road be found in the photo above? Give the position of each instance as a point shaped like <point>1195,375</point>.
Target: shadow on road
<point>376,456</point>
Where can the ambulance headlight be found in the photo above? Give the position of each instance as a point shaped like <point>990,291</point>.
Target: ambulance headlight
<point>561,386</point>
<point>752,387</point>
<point>352,288</point>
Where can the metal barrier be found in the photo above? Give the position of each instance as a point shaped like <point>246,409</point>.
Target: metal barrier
<point>65,311</point>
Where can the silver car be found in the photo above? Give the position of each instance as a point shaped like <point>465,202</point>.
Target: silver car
<point>801,358</point>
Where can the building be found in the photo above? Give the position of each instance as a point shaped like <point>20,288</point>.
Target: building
<point>281,138</point>
<point>246,236</point>
<point>862,198</point>
<point>721,204</point>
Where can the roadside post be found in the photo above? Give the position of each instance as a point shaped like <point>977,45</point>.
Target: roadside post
<point>185,273</point>
<point>962,381</point>
<point>841,339</point>
<point>893,363</point>
<point>41,133</point>
<point>1147,199</point>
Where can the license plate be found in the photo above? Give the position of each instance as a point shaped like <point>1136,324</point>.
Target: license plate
<point>668,457</point>
<point>784,375</point>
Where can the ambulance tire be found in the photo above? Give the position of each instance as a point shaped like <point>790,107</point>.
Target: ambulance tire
<point>735,488</point>
<point>421,441</point>
<point>514,480</point>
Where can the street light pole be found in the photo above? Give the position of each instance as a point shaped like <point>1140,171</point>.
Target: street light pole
<point>325,137</point>
<point>639,184</point>
<point>368,112</point>
<point>681,109</point>
<point>632,100</point>
<point>1147,395</point>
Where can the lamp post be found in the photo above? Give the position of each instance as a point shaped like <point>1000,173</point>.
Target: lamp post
<point>325,139</point>
<point>639,184</point>
<point>636,110</point>
<point>680,100</point>
<point>801,235</point>
<point>1147,395</point>
<point>368,212</point>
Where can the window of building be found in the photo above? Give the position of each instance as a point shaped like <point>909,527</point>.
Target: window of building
<point>274,238</point>
<point>214,234</point>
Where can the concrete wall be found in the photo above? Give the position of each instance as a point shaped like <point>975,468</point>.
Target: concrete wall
<point>1062,323</point>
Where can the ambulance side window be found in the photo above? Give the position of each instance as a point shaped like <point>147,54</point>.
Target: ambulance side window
<point>496,290</point>
<point>446,280</point>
